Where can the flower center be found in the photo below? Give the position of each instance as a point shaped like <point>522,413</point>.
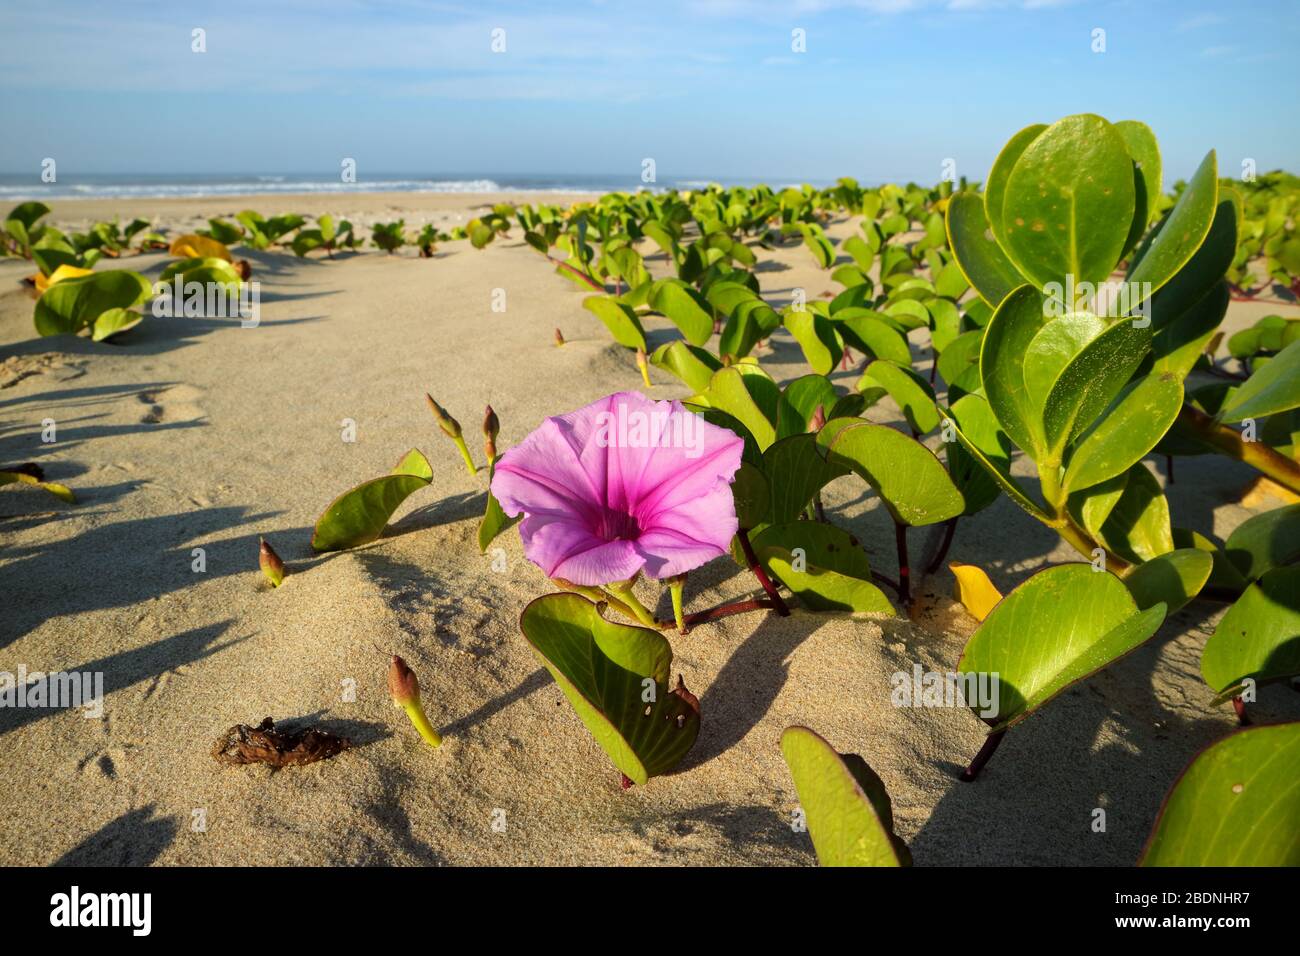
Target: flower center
<point>614,525</point>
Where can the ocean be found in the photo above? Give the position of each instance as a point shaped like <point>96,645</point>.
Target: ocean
<point>17,188</point>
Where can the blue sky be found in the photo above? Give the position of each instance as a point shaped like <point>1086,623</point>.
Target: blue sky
<point>887,89</point>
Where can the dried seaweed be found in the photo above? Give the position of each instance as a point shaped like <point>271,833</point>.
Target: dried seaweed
<point>243,744</point>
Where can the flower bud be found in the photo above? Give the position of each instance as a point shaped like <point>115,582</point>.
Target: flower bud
<point>449,425</point>
<point>272,566</point>
<point>403,685</point>
<point>491,428</point>
<point>559,337</point>
<point>404,688</point>
<point>644,366</point>
<point>818,419</point>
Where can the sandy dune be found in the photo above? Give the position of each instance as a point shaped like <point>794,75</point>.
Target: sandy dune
<point>197,433</point>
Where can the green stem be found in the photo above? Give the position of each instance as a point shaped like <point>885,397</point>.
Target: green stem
<point>1285,471</point>
<point>421,722</point>
<point>622,590</point>
<point>595,596</point>
<point>464,453</point>
<point>676,587</point>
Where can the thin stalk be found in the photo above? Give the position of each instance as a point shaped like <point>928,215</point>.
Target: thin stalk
<point>949,529</point>
<point>881,579</point>
<point>595,596</point>
<point>725,610</point>
<point>1283,470</point>
<point>991,743</point>
<point>577,272</point>
<point>623,591</point>
<point>904,569</point>
<point>675,588</point>
<point>773,594</point>
<point>464,453</point>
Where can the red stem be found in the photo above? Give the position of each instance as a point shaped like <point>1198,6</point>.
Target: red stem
<point>986,752</point>
<point>777,602</point>
<point>904,570</point>
<point>726,610</point>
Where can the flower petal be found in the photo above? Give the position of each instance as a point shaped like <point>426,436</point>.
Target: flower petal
<point>543,475</point>
<point>566,549</point>
<point>690,535</point>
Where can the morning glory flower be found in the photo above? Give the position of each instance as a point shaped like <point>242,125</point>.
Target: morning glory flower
<point>623,486</point>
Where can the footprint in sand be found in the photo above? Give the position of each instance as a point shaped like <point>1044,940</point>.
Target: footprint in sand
<point>178,403</point>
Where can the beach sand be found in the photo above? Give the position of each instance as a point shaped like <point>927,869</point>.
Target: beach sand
<point>197,433</point>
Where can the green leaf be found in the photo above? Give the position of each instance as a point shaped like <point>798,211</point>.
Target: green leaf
<point>1236,804</point>
<point>981,260</point>
<point>799,401</point>
<point>817,337</point>
<point>910,480</point>
<point>1265,541</point>
<point>1131,427</point>
<point>753,496</point>
<point>28,212</point>
<point>1058,627</point>
<point>494,520</point>
<point>74,304</point>
<point>1259,637</point>
<point>1171,579</point>
<point>359,516</point>
<point>912,393</point>
<point>1091,381</point>
<point>870,332</point>
<point>823,545</point>
<point>1052,349</point>
<point>684,307</point>
<point>1177,238</point>
<point>1069,202</point>
<point>1224,573</point>
<point>1271,389</point>
<point>978,476</point>
<point>750,322</point>
<point>692,365</point>
<point>1180,342</point>
<point>821,589</point>
<point>795,471</point>
<point>995,190</point>
<point>1202,272</point>
<point>946,318</point>
<point>113,322</point>
<point>728,392</point>
<point>845,804</point>
<point>1128,514</point>
<point>209,269</point>
<point>607,670</point>
<point>960,354</point>
<point>1145,152</point>
<point>1014,324</point>
<point>621,321</point>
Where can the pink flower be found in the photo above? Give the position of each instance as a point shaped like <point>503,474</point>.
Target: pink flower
<point>624,485</point>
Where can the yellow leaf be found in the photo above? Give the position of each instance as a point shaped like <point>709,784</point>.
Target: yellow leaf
<point>1262,489</point>
<point>974,590</point>
<point>191,246</point>
<point>58,275</point>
